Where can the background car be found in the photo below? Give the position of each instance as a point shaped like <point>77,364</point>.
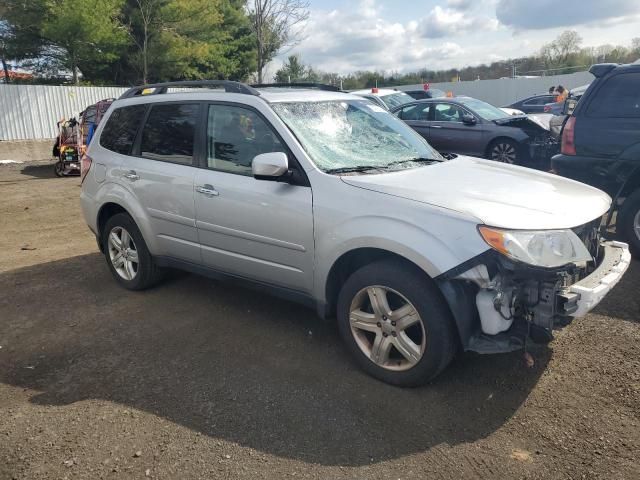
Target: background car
<point>557,108</point>
<point>467,126</point>
<point>601,143</point>
<point>385,98</point>
<point>533,104</point>
<point>426,92</point>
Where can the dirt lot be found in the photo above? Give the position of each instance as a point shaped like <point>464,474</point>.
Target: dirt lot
<point>197,379</point>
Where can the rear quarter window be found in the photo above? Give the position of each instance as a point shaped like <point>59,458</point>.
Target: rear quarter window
<point>619,97</point>
<point>122,126</point>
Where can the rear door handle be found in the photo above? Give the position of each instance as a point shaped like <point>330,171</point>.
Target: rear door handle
<point>436,126</point>
<point>131,175</point>
<point>207,190</point>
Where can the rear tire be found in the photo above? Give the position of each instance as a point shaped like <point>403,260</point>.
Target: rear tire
<point>628,225</point>
<point>127,254</point>
<point>409,344</point>
<point>58,169</point>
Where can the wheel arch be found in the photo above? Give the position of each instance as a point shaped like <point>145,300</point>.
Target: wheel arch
<point>113,199</point>
<point>354,259</point>
<point>107,211</point>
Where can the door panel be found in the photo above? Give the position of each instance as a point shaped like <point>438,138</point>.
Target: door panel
<point>417,117</point>
<point>256,229</point>
<point>161,175</point>
<point>165,191</point>
<point>448,133</point>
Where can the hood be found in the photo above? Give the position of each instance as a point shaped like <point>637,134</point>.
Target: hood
<point>523,121</point>
<point>494,193</point>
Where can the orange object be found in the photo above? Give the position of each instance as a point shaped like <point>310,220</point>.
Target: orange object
<point>494,238</point>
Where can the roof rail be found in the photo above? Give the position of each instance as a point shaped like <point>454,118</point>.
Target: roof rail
<point>318,86</point>
<point>160,88</point>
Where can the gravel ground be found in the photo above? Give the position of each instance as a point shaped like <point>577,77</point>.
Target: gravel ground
<point>198,379</point>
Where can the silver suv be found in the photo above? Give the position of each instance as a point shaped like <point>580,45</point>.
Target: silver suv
<point>326,198</point>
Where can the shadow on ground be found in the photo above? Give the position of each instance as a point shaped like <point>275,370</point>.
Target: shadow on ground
<point>42,170</point>
<point>236,365</point>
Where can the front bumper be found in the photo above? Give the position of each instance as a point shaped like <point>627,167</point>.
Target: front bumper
<point>592,289</point>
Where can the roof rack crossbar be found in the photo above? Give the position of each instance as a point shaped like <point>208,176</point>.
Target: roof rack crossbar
<point>318,86</point>
<point>160,88</point>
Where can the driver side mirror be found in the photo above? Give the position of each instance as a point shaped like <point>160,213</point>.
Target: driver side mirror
<point>469,119</point>
<point>270,166</point>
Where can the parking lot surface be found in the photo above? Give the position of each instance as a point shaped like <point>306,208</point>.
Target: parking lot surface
<point>199,379</point>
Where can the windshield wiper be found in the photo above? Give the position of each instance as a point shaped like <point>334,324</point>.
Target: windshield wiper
<point>414,160</point>
<point>357,168</point>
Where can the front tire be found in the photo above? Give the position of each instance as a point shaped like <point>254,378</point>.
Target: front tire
<point>505,150</point>
<point>127,254</point>
<point>629,223</point>
<point>396,323</point>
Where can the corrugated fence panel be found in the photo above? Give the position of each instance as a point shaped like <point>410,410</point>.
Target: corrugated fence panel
<point>31,112</point>
<point>505,91</point>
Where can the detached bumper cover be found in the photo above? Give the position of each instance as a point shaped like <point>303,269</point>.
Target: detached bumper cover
<point>595,287</point>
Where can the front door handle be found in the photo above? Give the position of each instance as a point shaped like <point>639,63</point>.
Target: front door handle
<point>131,175</point>
<point>207,190</point>
<point>436,126</point>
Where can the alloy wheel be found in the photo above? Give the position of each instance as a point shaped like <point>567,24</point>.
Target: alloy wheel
<point>504,152</point>
<point>387,328</point>
<point>123,253</point>
<point>636,224</point>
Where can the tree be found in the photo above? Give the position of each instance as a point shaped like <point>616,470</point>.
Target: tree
<point>293,70</point>
<point>276,24</point>
<point>83,34</point>
<point>559,50</point>
<point>187,39</point>
<point>20,24</point>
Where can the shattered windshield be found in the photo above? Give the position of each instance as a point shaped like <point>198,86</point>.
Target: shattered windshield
<point>355,135</point>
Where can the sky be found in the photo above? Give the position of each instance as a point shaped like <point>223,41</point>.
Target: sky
<point>345,36</point>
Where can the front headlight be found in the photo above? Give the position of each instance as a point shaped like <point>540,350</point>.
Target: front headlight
<point>542,248</point>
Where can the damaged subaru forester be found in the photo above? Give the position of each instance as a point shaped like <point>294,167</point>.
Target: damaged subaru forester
<point>326,198</point>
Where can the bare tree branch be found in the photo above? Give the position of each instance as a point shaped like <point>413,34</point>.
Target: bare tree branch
<point>276,25</point>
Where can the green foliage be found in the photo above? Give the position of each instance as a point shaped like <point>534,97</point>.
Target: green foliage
<point>294,70</point>
<point>20,24</point>
<point>83,34</point>
<point>128,41</point>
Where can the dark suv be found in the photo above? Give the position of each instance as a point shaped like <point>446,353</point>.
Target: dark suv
<point>601,143</point>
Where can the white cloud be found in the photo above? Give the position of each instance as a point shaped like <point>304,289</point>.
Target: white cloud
<point>441,22</point>
<point>361,38</point>
<point>375,35</point>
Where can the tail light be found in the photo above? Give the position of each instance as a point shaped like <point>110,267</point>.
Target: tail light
<point>568,137</point>
<point>85,165</point>
<point>375,90</point>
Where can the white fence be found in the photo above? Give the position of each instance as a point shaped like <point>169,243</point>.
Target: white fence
<point>505,91</point>
<point>30,112</point>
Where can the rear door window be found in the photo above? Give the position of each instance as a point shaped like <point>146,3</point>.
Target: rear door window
<point>168,134</point>
<point>418,111</point>
<point>619,97</point>
<point>121,129</point>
